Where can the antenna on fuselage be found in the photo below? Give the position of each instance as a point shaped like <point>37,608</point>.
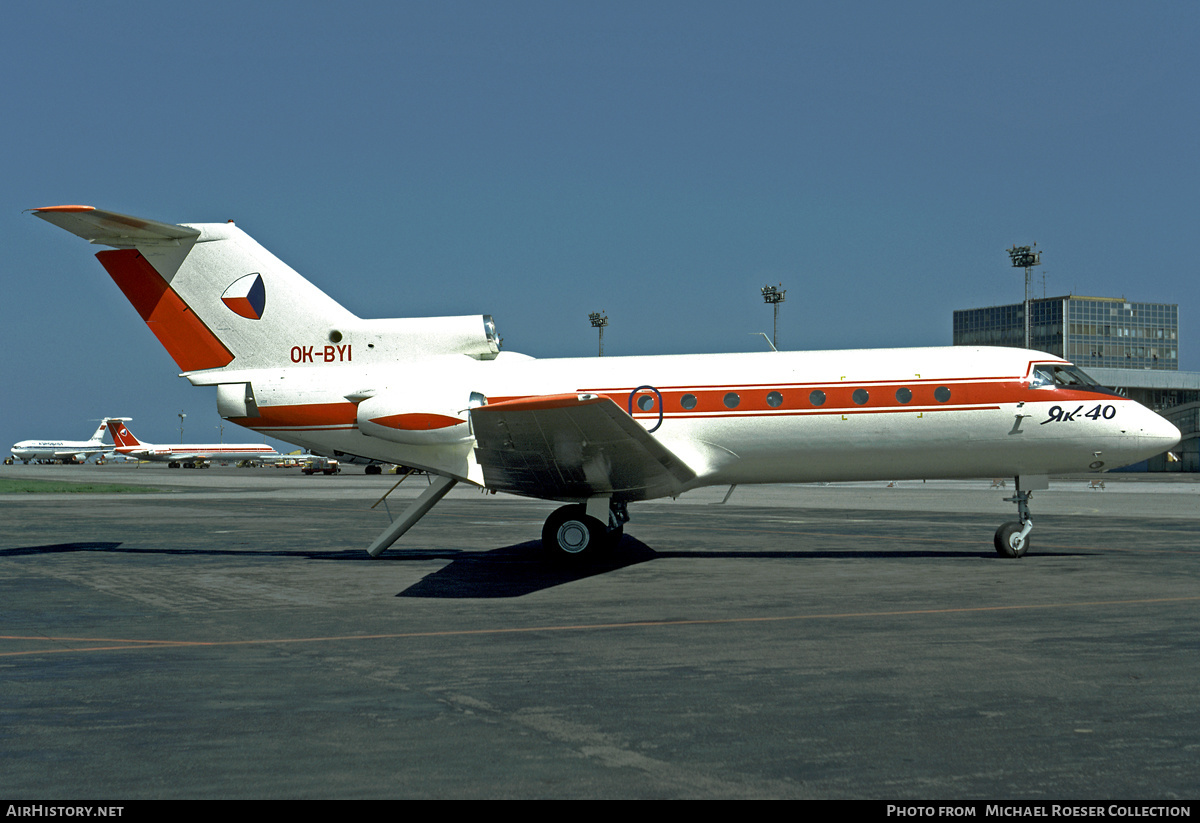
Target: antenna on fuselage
<point>764,337</point>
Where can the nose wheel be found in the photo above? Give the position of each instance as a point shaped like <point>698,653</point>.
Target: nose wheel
<point>1012,539</point>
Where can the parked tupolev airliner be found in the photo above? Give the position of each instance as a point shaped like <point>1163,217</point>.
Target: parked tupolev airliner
<point>597,434</point>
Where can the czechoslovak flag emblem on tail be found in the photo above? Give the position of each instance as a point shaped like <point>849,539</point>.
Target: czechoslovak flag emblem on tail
<point>246,297</point>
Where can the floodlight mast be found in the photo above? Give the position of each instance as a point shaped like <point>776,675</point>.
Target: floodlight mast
<point>774,295</point>
<point>1024,257</point>
<point>599,321</point>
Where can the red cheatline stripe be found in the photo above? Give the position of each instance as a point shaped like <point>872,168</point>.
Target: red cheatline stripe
<point>343,415</point>
<point>304,415</point>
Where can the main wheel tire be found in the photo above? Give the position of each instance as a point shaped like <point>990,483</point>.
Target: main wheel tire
<point>1007,544</point>
<point>570,534</point>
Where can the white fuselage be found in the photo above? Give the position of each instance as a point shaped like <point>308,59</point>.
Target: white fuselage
<point>197,451</point>
<point>58,449</point>
<point>771,417</point>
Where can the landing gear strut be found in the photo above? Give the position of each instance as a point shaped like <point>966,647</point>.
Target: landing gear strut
<point>572,535</point>
<point>1012,539</point>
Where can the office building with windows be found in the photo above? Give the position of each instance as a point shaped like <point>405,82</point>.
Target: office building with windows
<point>1091,332</point>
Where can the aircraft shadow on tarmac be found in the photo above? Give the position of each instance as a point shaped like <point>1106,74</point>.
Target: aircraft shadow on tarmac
<point>519,569</point>
<point>511,571</point>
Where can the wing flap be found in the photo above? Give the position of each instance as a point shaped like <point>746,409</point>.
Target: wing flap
<point>572,447</point>
<point>107,228</point>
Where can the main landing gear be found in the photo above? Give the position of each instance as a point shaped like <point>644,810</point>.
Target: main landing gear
<point>575,533</point>
<point>1012,539</point>
<point>572,534</point>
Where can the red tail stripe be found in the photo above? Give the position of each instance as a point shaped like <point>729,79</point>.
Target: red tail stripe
<point>191,344</point>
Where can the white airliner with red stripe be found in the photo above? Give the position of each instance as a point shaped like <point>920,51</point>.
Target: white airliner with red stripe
<point>596,433</point>
<point>185,454</point>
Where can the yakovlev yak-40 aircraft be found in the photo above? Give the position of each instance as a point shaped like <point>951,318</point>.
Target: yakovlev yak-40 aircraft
<point>437,394</point>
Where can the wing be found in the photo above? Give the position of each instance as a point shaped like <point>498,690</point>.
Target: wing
<point>572,447</point>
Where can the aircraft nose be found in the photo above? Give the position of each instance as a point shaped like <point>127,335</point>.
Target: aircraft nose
<point>1160,433</point>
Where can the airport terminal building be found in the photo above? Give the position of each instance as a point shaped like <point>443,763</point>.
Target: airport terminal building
<point>1091,332</point>
<point>1130,347</point>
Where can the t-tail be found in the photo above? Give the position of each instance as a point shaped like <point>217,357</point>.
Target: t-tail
<point>98,436</point>
<point>217,300</point>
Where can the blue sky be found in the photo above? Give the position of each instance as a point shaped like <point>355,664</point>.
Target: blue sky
<point>540,160</point>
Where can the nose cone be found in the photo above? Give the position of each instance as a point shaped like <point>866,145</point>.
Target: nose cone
<point>1140,435</point>
<point>1160,434</point>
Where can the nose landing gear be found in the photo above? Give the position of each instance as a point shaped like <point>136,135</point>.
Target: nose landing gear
<point>1012,539</point>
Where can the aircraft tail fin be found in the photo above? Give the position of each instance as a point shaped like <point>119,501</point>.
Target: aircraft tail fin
<point>122,436</point>
<point>217,300</point>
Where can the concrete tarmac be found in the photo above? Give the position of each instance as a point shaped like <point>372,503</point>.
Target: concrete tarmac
<point>229,638</point>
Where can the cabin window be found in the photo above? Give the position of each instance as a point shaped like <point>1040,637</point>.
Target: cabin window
<point>732,400</point>
<point>860,396</point>
<point>903,395</point>
<point>817,398</point>
<point>688,401</point>
<point>941,394</point>
<point>645,402</point>
<point>774,399</point>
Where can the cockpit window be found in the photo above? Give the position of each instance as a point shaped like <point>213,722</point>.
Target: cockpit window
<point>1063,376</point>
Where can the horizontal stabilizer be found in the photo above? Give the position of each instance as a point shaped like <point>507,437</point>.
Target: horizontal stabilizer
<point>107,228</point>
<point>572,447</point>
